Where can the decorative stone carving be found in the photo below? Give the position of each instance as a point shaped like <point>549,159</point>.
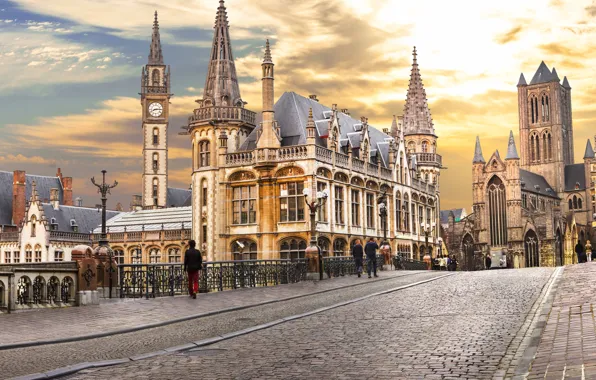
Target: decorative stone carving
<point>242,176</point>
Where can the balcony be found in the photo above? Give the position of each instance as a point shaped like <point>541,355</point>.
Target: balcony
<point>432,159</point>
<point>9,236</point>
<point>141,236</point>
<point>221,113</point>
<point>75,237</point>
<point>240,159</point>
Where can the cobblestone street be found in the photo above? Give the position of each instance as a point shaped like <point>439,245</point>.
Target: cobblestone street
<point>462,326</point>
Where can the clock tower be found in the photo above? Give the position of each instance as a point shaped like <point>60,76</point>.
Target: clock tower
<point>155,96</point>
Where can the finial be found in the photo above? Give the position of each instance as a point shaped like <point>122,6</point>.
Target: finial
<point>267,53</point>
<point>414,54</point>
<point>310,114</point>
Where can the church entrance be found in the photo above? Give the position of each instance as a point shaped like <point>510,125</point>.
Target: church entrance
<point>559,248</point>
<point>531,249</point>
<point>468,253</point>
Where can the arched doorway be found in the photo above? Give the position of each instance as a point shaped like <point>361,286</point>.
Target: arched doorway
<point>415,253</point>
<point>468,252</point>
<point>531,249</point>
<point>559,248</point>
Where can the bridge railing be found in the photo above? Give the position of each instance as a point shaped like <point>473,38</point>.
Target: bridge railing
<point>336,266</point>
<point>408,264</point>
<point>158,280</point>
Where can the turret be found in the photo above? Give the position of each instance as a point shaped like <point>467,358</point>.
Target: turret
<point>269,134</point>
<point>310,128</point>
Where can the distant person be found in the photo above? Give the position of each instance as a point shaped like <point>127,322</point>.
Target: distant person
<point>371,256</point>
<point>488,261</point>
<point>453,264</point>
<point>193,262</point>
<point>579,250</point>
<point>358,253</point>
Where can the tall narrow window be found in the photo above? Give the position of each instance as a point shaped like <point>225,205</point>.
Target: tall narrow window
<point>155,77</point>
<point>16,257</point>
<point>579,203</point>
<point>549,147</point>
<point>155,136</point>
<point>291,202</point>
<point>204,233</point>
<point>406,214</point>
<point>413,218</point>
<point>28,254</point>
<point>370,210</point>
<point>532,110</point>
<point>155,161</point>
<point>428,217</point>
<point>497,208</point>
<point>532,147</point>
<point>37,254</point>
<point>544,147</point>
<point>204,154</point>
<point>421,218</point>
<point>547,109</point>
<point>537,148</point>
<point>155,187</point>
<point>204,194</point>
<point>536,110</point>
<point>322,213</point>
<point>425,147</point>
<point>398,223</point>
<point>543,110</point>
<point>401,167</point>
<point>355,208</point>
<point>244,205</point>
<point>339,205</point>
<point>575,202</point>
<point>154,256</point>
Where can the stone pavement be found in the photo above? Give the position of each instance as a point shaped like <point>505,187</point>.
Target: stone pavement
<point>567,349</point>
<point>41,325</point>
<point>457,327</point>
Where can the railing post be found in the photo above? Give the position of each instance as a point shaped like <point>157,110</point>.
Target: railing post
<point>147,283</point>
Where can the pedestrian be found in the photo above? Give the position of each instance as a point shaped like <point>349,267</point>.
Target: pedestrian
<point>488,261</point>
<point>193,262</point>
<point>589,250</point>
<point>371,256</point>
<point>358,253</point>
<point>579,249</point>
<point>453,263</point>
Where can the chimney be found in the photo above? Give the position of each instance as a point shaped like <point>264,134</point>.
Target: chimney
<point>18,196</point>
<point>67,195</point>
<point>313,97</point>
<point>79,202</point>
<point>386,131</point>
<point>55,198</point>
<point>137,203</point>
<point>59,174</point>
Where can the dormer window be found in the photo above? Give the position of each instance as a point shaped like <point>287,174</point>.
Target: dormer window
<point>577,186</point>
<point>74,226</point>
<point>53,224</point>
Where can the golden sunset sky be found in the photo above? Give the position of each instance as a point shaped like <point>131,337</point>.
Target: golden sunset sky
<point>71,73</point>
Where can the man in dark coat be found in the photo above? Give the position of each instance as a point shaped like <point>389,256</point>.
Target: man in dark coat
<point>579,250</point>
<point>193,262</point>
<point>488,261</point>
<point>371,256</point>
<point>358,253</point>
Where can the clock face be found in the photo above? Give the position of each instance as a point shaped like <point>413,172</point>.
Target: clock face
<point>155,109</point>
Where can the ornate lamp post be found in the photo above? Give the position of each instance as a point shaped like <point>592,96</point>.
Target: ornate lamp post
<point>385,247</point>
<point>315,205</point>
<point>104,248</point>
<point>427,229</point>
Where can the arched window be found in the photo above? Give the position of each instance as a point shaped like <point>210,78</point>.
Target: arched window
<point>544,147</point>
<point>204,154</point>
<point>244,250</point>
<point>531,249</point>
<point>549,146</point>
<point>33,225</point>
<point>398,223</point>
<point>155,136</point>
<point>324,244</point>
<point>339,247</point>
<point>574,202</point>
<point>545,108</point>
<point>174,255</point>
<point>401,167</point>
<point>155,161</point>
<point>155,77</point>
<point>406,209</point>
<point>154,256</point>
<point>425,147</point>
<point>579,203</point>
<point>532,148</point>
<point>497,212</point>
<point>537,148</point>
<point>292,249</point>
<point>37,258</point>
<point>570,204</point>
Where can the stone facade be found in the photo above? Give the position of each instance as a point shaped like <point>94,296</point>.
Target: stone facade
<point>534,206</point>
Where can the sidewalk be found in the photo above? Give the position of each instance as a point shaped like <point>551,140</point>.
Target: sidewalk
<point>567,349</point>
<point>76,323</point>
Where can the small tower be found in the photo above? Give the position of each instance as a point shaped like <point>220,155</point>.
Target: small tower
<point>310,128</point>
<point>478,164</point>
<point>269,135</point>
<point>155,96</point>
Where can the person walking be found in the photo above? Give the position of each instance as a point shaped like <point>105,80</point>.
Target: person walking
<point>371,256</point>
<point>358,253</point>
<point>453,264</point>
<point>488,261</point>
<point>193,262</point>
<point>579,250</point>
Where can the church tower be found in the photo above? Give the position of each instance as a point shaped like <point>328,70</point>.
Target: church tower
<point>545,127</point>
<point>155,96</point>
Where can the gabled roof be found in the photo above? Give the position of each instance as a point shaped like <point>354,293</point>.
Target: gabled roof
<point>87,219</point>
<point>575,174</point>
<point>178,197</point>
<point>43,185</point>
<point>291,113</point>
<point>543,75</point>
<point>151,220</point>
<point>535,183</point>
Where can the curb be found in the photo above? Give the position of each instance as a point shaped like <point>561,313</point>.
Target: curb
<point>69,370</point>
<point>181,319</point>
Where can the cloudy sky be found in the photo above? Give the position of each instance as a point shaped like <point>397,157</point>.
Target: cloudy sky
<point>70,73</point>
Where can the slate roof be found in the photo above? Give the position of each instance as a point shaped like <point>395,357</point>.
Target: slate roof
<point>511,149</point>
<point>575,173</point>
<point>150,220</point>
<point>178,197</point>
<point>478,152</point>
<point>291,113</point>
<point>457,213</point>
<point>537,184</point>
<point>43,185</point>
<point>589,153</point>
<point>543,75</point>
<point>87,219</point>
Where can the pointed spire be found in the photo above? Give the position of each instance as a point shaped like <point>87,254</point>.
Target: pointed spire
<point>478,152</point>
<point>566,83</point>
<point>555,75</point>
<point>543,75</point>
<point>221,85</point>
<point>522,80</point>
<point>394,128</point>
<point>511,149</point>
<point>417,117</point>
<point>155,55</point>
<point>310,126</point>
<point>589,151</point>
<point>267,53</point>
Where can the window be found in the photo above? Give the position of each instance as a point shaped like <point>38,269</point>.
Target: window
<point>291,202</point>
<point>7,257</point>
<point>323,244</point>
<point>155,186</point>
<point>154,256</point>
<point>33,225</point>
<point>398,223</point>
<point>421,217</point>
<point>570,204</point>
<point>174,255</point>
<point>339,205</point>
<point>425,147</point>
<point>119,256</point>
<point>428,218</point>
<point>579,203</point>
<point>413,218</point>
<point>497,209</point>
<point>37,254</point>
<point>575,202</point>
<point>155,136</point>
<point>355,208</point>
<point>370,210</point>
<point>243,205</point>
<point>244,250</point>
<point>525,200</point>
<point>58,255</point>
<point>339,247</point>
<point>16,257</point>
<point>322,214</point>
<point>401,167</point>
<point>28,254</point>
<point>292,249</point>
<point>136,256</point>
<point>406,214</point>
<point>204,195</point>
<point>155,77</point>
<point>204,154</point>
<point>205,234</point>
<point>155,161</point>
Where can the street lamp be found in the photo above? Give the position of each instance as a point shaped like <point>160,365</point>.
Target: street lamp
<point>315,205</point>
<point>382,203</point>
<point>427,229</point>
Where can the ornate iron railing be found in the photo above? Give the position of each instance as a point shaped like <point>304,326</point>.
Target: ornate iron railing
<point>158,280</point>
<point>336,266</point>
<point>408,264</point>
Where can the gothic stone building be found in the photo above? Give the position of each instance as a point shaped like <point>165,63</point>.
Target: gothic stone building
<point>536,205</point>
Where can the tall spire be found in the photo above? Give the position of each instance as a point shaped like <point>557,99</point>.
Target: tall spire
<point>511,149</point>
<point>269,137</point>
<point>155,55</point>
<point>589,151</point>
<point>417,118</point>
<point>394,129</point>
<point>267,58</point>
<point>221,85</point>
<point>478,152</point>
